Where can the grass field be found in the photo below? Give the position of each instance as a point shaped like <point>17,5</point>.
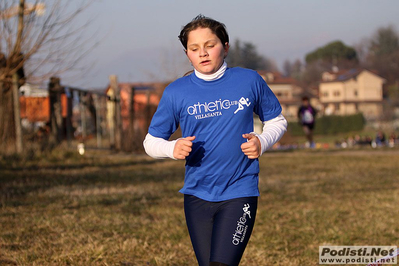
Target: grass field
<point>126,210</point>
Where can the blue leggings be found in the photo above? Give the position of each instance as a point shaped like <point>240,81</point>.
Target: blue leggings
<point>220,231</point>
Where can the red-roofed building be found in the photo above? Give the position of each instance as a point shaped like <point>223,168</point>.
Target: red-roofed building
<point>287,91</point>
<point>35,105</point>
<point>146,99</point>
<point>347,92</point>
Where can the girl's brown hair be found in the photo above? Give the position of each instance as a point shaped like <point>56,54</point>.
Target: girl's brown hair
<point>200,21</point>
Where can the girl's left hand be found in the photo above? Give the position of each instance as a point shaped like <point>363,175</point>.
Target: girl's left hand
<point>252,147</point>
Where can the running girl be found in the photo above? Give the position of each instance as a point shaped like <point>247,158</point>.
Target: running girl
<point>214,107</point>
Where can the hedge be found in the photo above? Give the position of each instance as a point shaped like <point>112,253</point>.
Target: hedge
<point>332,124</point>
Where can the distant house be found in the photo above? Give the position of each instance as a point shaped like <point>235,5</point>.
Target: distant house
<point>347,92</point>
<point>35,105</point>
<point>287,91</point>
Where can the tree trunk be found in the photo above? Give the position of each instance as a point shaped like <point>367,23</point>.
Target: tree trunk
<point>18,41</point>
<point>1,117</point>
<point>7,133</point>
<point>7,120</point>
<point>17,116</point>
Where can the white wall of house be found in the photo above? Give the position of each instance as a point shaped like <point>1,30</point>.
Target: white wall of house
<point>332,92</point>
<point>370,86</point>
<point>282,91</point>
<point>360,94</point>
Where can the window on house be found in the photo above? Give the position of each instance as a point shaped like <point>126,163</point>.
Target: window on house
<point>336,93</point>
<point>325,94</point>
<point>282,94</point>
<point>337,107</point>
<point>355,93</point>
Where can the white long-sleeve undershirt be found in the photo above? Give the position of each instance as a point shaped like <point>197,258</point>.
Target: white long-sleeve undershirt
<point>159,148</point>
<point>273,130</point>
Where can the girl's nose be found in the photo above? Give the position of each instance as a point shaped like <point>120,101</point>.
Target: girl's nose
<point>203,53</point>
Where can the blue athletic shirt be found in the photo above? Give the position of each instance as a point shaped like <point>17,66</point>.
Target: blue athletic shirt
<point>217,113</point>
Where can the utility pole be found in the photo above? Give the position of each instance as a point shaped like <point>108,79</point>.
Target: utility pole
<point>131,120</point>
<point>148,109</point>
<point>98,118</point>
<point>118,121</point>
<point>82,105</point>
<point>56,125</point>
<point>69,94</point>
<point>111,116</point>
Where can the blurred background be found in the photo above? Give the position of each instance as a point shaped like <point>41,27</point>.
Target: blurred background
<point>96,69</point>
<point>80,81</point>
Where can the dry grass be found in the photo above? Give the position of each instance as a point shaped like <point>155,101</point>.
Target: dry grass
<point>125,210</point>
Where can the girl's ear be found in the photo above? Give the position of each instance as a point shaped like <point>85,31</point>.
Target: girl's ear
<point>185,51</point>
<point>226,49</point>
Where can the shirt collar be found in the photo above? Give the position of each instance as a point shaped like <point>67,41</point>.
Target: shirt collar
<point>217,75</point>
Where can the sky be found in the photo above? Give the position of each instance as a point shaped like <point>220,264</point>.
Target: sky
<point>137,40</point>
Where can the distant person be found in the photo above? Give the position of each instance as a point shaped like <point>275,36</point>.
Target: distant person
<point>306,117</point>
<point>392,140</point>
<point>214,107</point>
<point>380,138</point>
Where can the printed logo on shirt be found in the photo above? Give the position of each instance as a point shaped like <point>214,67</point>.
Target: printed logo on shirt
<point>215,108</point>
<point>242,227</point>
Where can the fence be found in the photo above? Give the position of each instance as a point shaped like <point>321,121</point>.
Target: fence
<point>116,117</point>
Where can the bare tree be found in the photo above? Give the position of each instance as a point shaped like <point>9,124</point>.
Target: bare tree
<point>384,53</point>
<point>245,54</point>
<point>38,40</point>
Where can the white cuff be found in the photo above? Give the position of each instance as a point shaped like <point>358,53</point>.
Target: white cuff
<point>159,148</point>
<point>272,132</point>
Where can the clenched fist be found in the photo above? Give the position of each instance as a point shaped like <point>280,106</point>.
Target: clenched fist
<point>252,147</point>
<point>183,147</point>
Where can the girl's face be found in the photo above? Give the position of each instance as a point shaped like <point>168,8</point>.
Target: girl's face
<point>205,50</point>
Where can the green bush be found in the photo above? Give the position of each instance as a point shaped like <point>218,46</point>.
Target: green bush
<point>332,124</point>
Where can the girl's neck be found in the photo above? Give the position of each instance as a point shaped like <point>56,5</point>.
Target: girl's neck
<point>210,77</point>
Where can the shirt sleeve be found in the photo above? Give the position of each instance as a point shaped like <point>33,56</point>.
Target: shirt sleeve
<point>267,105</point>
<point>166,119</point>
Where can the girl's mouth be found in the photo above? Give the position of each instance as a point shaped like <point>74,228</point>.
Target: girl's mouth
<point>205,62</point>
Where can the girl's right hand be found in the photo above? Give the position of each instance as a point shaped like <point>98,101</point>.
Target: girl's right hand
<point>183,147</point>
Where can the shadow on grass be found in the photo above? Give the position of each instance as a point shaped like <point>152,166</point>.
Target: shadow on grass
<point>57,166</point>
<point>18,181</point>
